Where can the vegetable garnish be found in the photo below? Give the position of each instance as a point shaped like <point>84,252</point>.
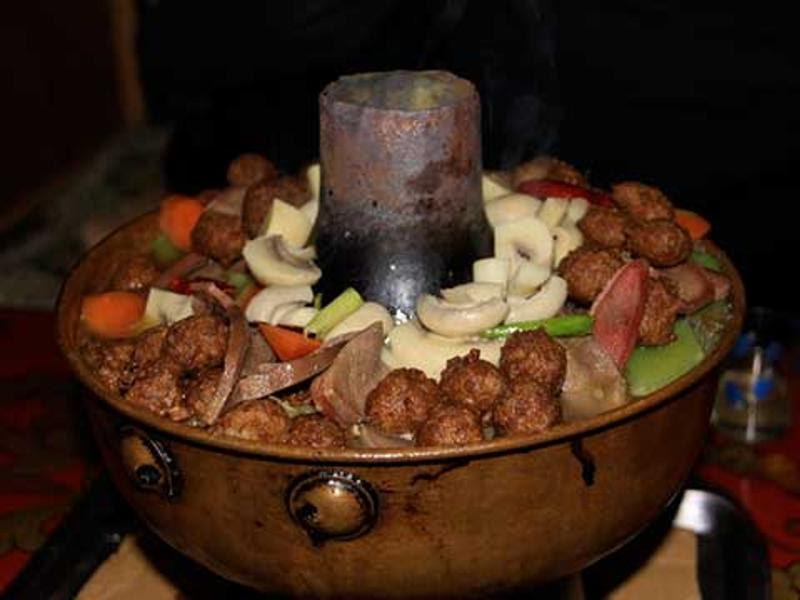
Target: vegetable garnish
<point>164,252</point>
<point>704,259</point>
<point>179,214</point>
<point>331,315</point>
<point>696,225</point>
<point>547,188</point>
<point>559,326</point>
<point>651,368</point>
<point>113,314</point>
<point>288,344</point>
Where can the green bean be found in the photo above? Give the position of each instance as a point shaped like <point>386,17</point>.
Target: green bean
<point>560,326</point>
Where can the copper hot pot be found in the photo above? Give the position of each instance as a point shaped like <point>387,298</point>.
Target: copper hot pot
<point>474,521</point>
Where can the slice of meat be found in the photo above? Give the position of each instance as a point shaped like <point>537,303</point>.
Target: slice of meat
<point>271,377</point>
<point>618,311</point>
<point>593,383</point>
<point>371,437</point>
<point>341,391</point>
<point>693,286</point>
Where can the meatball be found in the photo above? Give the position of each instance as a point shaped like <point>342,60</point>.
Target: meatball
<point>642,201</point>
<point>450,425</point>
<point>254,420</point>
<point>472,382</point>
<point>315,431</point>
<point>219,236</point>
<point>197,342</point>
<point>199,391</point>
<point>148,346</point>
<point>534,355</point>
<point>400,403</point>
<point>158,389</point>
<point>248,169</point>
<point>664,243</point>
<point>587,270</point>
<point>604,227</point>
<point>259,197</point>
<point>529,408</point>
<point>547,167</point>
<point>110,362</point>
<point>134,274</point>
<point>660,310</point>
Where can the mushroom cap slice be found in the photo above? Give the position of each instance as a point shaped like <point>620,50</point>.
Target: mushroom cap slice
<point>542,305</point>
<point>273,262</point>
<point>456,320</point>
<point>525,237</point>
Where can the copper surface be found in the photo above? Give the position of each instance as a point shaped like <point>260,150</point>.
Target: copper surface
<point>491,517</point>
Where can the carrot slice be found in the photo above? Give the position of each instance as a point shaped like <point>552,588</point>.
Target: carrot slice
<point>696,225</point>
<point>113,314</point>
<point>179,215</point>
<point>288,344</point>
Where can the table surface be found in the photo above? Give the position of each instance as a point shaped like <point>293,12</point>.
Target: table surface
<point>47,459</point>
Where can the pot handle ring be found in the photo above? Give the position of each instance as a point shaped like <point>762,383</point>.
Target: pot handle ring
<point>332,505</point>
<point>149,463</point>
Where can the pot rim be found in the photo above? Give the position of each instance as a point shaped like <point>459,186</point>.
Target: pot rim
<point>560,433</point>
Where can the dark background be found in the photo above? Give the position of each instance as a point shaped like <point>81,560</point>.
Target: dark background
<point>697,98</point>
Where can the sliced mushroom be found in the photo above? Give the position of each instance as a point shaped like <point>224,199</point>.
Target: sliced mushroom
<point>470,293</point>
<point>455,320</point>
<point>285,220</point>
<point>527,237</point>
<point>263,305</point>
<point>510,207</point>
<point>491,270</point>
<point>578,207</point>
<point>528,277</point>
<point>494,185</point>
<point>567,238</point>
<point>294,315</point>
<point>542,305</point>
<point>313,178</point>
<point>273,262</point>
<point>409,345</point>
<point>167,307</point>
<point>367,314</point>
<point>553,211</point>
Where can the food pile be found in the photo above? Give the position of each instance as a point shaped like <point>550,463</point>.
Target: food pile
<point>591,298</point>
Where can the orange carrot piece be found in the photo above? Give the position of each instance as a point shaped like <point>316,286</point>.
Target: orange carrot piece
<point>288,344</point>
<point>113,314</point>
<point>696,225</point>
<point>179,215</point>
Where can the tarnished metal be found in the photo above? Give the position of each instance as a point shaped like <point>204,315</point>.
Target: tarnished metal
<point>401,210</point>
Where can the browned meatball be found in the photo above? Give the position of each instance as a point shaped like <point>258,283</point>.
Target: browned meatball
<point>219,236</point>
<point>158,389</point>
<point>529,408</point>
<point>197,342</point>
<point>109,361</point>
<point>660,310</point>
<point>664,243</point>
<point>199,391</point>
<point>475,383</point>
<point>247,169</point>
<point>134,274</point>
<point>255,420</point>
<point>259,197</point>
<point>400,403</point>
<point>587,270</point>
<point>642,201</point>
<point>315,431</point>
<point>450,425</point>
<point>148,346</point>
<point>547,167</point>
<point>534,355</point>
<point>604,227</point>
